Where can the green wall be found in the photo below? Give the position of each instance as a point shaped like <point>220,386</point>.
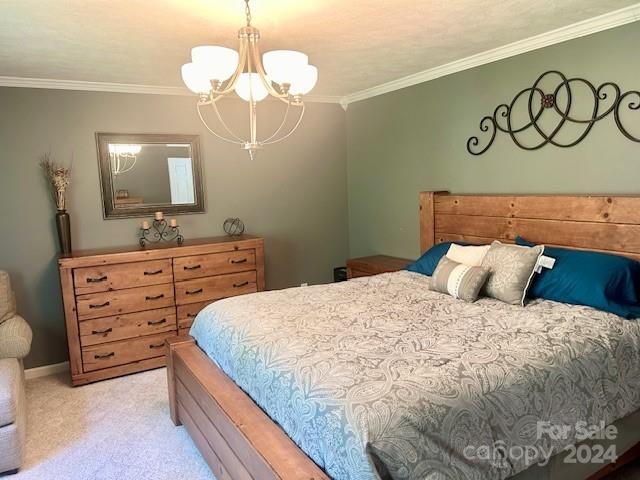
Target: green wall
<point>415,139</point>
<point>294,194</point>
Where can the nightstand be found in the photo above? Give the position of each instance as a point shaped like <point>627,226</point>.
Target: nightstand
<point>375,264</point>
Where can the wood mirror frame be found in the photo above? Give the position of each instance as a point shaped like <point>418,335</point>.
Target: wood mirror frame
<point>141,210</point>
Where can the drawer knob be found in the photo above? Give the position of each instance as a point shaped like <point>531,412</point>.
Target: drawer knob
<point>244,260</point>
<point>157,297</point>
<point>194,292</point>
<point>100,305</point>
<point>156,345</point>
<point>238,285</point>
<point>194,267</point>
<point>191,315</point>
<point>156,272</point>
<point>102,332</point>
<point>157,322</point>
<point>103,356</point>
<point>96,280</point>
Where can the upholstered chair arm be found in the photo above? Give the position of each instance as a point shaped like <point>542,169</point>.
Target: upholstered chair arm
<point>15,338</point>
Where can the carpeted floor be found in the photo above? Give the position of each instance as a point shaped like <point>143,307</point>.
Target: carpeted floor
<point>113,430</point>
<point>117,430</point>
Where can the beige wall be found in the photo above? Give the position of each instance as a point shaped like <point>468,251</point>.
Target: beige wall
<point>294,194</point>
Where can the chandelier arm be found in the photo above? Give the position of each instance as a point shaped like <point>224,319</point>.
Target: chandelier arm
<point>129,168</point>
<point>253,115</point>
<point>215,133</point>
<point>224,124</point>
<point>255,52</point>
<point>290,131</point>
<point>231,83</point>
<point>120,160</point>
<point>284,120</point>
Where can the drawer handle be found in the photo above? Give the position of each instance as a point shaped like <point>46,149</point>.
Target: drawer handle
<point>157,297</point>
<point>156,345</point>
<point>104,356</point>
<point>238,285</point>
<point>244,260</point>
<point>157,322</point>
<point>194,292</point>
<point>96,280</point>
<point>195,267</point>
<point>192,315</point>
<point>157,272</point>
<point>102,332</point>
<point>105,304</point>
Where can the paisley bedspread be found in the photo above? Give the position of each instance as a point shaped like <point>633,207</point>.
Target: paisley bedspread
<point>380,377</point>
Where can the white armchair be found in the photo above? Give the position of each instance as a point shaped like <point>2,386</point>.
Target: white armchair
<point>15,342</point>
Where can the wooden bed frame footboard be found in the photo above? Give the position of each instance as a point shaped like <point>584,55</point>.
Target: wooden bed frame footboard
<point>236,438</point>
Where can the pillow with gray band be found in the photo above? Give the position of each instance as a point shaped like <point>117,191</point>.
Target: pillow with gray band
<point>458,280</point>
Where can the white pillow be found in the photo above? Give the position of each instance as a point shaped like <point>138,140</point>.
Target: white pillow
<point>471,255</point>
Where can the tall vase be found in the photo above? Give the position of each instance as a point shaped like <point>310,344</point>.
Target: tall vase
<point>64,231</point>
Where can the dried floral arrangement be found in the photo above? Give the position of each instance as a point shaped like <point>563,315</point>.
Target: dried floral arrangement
<point>59,178</point>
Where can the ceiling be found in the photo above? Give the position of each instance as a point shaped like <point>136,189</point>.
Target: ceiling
<point>356,44</point>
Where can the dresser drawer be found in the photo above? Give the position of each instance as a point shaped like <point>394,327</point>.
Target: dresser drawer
<point>214,288</point>
<point>187,313</point>
<point>123,275</point>
<point>95,305</point>
<point>107,355</point>
<point>129,325</point>
<point>198,266</point>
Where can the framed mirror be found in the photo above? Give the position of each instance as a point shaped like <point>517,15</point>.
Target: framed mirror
<point>144,173</point>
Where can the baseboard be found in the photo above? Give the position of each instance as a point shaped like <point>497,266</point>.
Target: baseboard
<point>45,370</point>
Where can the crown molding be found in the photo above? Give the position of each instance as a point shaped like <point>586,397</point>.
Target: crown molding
<point>55,84</point>
<point>50,83</point>
<point>580,29</point>
<point>322,98</point>
<point>586,27</point>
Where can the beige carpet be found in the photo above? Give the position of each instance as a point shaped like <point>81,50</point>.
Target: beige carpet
<point>116,430</point>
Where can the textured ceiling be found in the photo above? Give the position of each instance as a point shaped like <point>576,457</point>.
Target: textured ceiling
<point>356,44</point>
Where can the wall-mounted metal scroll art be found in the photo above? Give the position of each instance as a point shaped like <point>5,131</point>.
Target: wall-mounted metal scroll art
<point>548,111</point>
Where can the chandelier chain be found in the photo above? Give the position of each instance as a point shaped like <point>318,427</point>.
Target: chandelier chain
<point>247,11</point>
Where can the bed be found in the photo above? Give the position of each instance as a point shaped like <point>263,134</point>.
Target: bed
<point>382,378</point>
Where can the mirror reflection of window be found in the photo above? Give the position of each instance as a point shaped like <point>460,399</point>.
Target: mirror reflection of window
<point>181,180</point>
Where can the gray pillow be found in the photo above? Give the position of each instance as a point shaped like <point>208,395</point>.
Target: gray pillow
<point>512,268</point>
<point>458,280</point>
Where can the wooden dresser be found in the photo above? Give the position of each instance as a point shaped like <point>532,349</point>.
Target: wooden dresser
<point>122,304</point>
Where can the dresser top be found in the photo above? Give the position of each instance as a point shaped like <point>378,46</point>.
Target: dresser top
<point>194,246</point>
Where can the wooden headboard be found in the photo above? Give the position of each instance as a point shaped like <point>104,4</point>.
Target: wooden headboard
<point>603,223</point>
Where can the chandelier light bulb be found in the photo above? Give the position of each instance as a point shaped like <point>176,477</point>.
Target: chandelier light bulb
<point>122,149</point>
<point>281,65</point>
<point>251,84</point>
<point>195,79</point>
<point>304,80</point>
<point>216,63</point>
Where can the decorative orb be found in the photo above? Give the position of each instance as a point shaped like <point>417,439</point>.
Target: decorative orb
<point>233,226</point>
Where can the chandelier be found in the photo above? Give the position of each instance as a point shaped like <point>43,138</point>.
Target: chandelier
<point>123,157</point>
<point>216,72</point>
